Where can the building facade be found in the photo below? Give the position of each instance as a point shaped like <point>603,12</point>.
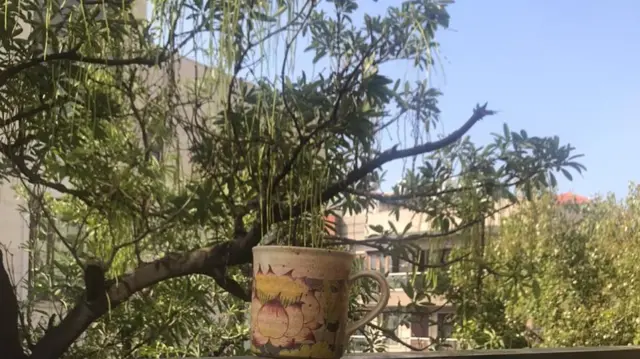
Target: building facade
<point>418,328</point>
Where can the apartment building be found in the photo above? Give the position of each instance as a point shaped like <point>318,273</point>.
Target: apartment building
<point>419,328</point>
<point>436,322</point>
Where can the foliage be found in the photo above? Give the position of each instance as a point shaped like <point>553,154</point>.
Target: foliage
<point>561,275</point>
<point>149,179</point>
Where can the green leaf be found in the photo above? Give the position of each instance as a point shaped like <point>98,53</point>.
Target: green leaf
<point>445,223</point>
<point>506,132</point>
<point>554,181</point>
<point>320,53</point>
<point>567,174</point>
<point>393,228</point>
<point>377,228</point>
<point>535,288</point>
<point>407,228</point>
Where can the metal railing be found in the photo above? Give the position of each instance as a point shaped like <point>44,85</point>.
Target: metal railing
<point>398,280</point>
<point>416,342</point>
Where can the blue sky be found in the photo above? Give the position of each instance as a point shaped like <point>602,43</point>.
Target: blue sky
<point>551,67</point>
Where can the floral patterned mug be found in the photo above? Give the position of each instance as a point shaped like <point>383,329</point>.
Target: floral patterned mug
<point>300,302</point>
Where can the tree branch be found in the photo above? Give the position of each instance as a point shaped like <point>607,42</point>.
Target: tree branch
<point>398,198</point>
<point>9,334</point>
<point>389,155</point>
<point>201,261</point>
<point>282,213</point>
<point>31,112</point>
<point>74,55</point>
<point>32,177</point>
<point>219,274</point>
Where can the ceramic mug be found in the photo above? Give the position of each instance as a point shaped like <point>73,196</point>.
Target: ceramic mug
<point>300,301</point>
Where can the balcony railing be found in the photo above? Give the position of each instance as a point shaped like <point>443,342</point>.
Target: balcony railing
<point>420,342</point>
<point>551,353</point>
<point>398,280</point>
<point>416,342</point>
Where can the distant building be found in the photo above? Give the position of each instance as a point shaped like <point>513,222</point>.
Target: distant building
<point>437,322</point>
<point>568,197</point>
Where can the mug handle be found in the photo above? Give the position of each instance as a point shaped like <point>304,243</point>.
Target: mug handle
<point>382,301</point>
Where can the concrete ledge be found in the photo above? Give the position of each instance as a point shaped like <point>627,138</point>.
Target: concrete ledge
<point>626,352</point>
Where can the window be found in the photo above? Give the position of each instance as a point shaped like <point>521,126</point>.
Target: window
<point>399,265</point>
<point>359,344</point>
<point>377,261</point>
<point>373,261</point>
<point>420,325</point>
<point>445,325</point>
<point>390,321</point>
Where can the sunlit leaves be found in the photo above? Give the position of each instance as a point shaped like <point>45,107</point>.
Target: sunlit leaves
<point>566,269</point>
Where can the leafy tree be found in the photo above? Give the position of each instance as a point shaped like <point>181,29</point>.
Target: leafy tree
<point>560,275</point>
<point>149,190</point>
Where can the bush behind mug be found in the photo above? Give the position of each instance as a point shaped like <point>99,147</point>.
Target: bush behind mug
<point>300,302</point>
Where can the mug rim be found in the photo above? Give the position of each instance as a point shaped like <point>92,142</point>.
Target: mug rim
<point>304,249</point>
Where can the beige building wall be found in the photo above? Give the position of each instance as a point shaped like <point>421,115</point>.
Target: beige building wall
<point>357,227</point>
<point>14,232</point>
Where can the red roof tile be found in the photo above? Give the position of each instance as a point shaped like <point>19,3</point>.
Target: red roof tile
<point>568,197</point>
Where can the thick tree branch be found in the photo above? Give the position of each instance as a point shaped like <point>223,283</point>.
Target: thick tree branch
<point>398,198</point>
<point>201,261</point>
<point>9,334</point>
<point>74,55</point>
